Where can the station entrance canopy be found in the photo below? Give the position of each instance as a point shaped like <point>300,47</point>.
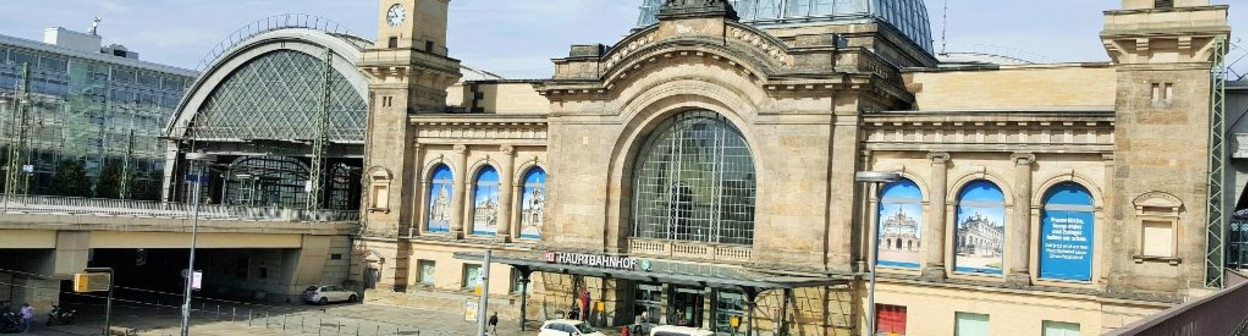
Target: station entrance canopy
<point>650,270</point>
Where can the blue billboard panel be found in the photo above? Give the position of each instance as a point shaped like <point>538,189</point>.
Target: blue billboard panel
<point>980,236</point>
<point>441,189</point>
<point>1066,228</point>
<point>900,228</point>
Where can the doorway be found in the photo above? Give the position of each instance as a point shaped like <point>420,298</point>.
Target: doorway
<point>686,307</point>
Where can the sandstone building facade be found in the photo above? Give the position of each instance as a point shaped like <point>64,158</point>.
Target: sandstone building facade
<point>701,170</point>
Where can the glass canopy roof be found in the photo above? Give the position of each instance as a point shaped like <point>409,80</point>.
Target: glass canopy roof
<point>908,16</point>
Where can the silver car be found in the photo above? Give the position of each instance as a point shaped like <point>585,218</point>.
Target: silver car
<point>327,294</point>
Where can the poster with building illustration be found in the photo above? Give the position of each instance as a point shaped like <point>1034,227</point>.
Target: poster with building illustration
<point>980,245</point>
<point>441,187</point>
<point>533,204</point>
<point>485,203</point>
<point>901,222</point>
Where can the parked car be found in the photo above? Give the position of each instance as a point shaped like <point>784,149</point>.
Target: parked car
<point>679,331</point>
<point>568,328</point>
<point>327,294</point>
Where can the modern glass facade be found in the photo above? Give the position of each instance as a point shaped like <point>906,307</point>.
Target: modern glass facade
<point>89,109</point>
<point>908,16</point>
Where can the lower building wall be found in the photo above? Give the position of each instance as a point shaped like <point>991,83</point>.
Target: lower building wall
<point>933,310</point>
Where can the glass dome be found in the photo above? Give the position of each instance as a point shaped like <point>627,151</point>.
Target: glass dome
<point>908,16</point>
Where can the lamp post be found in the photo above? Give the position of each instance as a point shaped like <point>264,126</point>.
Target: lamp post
<point>202,160</point>
<point>876,179</point>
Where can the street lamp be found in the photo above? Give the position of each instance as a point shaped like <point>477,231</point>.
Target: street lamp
<point>876,178</point>
<point>202,160</point>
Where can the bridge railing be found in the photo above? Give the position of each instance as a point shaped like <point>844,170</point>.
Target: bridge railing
<point>1223,313</point>
<point>57,205</point>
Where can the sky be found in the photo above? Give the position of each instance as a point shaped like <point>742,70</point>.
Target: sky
<point>517,38</point>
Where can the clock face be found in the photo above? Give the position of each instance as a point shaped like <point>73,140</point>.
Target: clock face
<point>396,14</point>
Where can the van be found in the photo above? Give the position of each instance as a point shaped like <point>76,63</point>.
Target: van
<point>679,331</point>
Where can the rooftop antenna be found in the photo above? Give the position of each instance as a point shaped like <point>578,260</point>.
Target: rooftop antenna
<point>944,28</point>
<point>95,26</point>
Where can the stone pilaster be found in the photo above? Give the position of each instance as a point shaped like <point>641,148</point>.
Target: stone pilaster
<point>1018,231</point>
<point>461,190</point>
<point>934,230</point>
<point>506,179</point>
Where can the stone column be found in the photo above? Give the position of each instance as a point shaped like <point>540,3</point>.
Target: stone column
<point>417,200</point>
<point>461,190</point>
<point>933,239</point>
<point>1018,231</point>
<point>505,181</point>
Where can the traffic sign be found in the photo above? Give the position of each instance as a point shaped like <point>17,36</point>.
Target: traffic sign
<point>91,282</point>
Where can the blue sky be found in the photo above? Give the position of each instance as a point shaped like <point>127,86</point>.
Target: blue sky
<point>517,38</point>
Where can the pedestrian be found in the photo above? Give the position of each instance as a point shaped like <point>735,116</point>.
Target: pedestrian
<point>494,324</point>
<point>28,316</point>
<point>575,313</point>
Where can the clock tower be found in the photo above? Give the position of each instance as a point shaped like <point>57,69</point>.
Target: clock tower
<point>409,72</point>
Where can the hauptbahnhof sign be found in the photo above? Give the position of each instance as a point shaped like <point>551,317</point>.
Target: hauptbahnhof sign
<point>595,260</point>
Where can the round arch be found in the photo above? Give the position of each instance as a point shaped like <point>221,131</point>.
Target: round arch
<point>1045,187</point>
<point>956,188</point>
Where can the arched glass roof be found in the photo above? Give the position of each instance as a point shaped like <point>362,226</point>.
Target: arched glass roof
<point>270,98</point>
<point>908,16</point>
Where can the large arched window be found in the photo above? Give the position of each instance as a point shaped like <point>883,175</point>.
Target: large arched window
<point>901,225</point>
<point>694,181</point>
<point>532,204</point>
<point>1066,229</point>
<point>441,189</point>
<point>981,229</point>
<point>267,181</point>
<point>485,203</point>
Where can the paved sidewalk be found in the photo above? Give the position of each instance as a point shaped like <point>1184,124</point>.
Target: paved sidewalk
<point>331,320</point>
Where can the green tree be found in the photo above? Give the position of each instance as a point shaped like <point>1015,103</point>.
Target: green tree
<point>109,185</point>
<point>71,179</point>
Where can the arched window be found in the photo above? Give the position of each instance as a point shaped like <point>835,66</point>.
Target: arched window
<point>485,203</point>
<point>901,220</point>
<point>981,229</point>
<point>694,181</point>
<point>1066,229</point>
<point>532,204</point>
<point>441,189</point>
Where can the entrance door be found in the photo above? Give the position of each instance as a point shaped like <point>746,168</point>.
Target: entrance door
<point>686,307</point>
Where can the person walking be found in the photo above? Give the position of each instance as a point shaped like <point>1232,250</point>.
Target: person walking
<point>28,317</point>
<point>494,324</point>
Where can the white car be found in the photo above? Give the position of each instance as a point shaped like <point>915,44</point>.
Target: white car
<point>327,294</point>
<point>679,331</point>
<point>568,328</point>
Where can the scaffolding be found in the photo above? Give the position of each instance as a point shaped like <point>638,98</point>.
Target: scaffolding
<point>1215,256</point>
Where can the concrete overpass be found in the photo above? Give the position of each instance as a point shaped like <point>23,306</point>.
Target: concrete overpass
<point>253,252</point>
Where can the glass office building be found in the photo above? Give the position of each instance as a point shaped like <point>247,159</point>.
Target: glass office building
<point>90,107</point>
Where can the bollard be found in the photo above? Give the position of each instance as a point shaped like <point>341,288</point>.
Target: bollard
<point>320,326</point>
<point>266,319</point>
<point>301,325</point>
<point>233,313</point>
<point>339,332</point>
<point>218,312</point>
<point>249,317</point>
<point>378,332</point>
<point>357,329</point>
<point>283,322</point>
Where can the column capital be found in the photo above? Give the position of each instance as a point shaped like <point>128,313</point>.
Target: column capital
<point>939,157</point>
<point>1023,159</point>
<point>460,149</point>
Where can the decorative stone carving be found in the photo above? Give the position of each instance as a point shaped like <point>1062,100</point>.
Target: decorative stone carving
<point>773,50</point>
<point>628,48</point>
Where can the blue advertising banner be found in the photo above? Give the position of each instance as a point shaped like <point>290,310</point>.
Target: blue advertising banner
<point>440,191</point>
<point>1066,228</point>
<point>900,225</point>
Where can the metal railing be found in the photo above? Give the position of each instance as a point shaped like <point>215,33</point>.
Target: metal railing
<point>57,205</point>
<point>1221,314</point>
<point>268,24</point>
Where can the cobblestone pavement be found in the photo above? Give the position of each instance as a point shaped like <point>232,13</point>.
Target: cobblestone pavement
<point>332,320</point>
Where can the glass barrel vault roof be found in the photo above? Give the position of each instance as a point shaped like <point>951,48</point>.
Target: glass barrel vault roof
<point>908,16</point>
<point>274,96</point>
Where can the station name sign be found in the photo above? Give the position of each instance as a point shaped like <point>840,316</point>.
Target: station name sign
<point>592,260</point>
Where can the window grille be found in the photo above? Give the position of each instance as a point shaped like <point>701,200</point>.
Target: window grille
<point>694,181</point>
